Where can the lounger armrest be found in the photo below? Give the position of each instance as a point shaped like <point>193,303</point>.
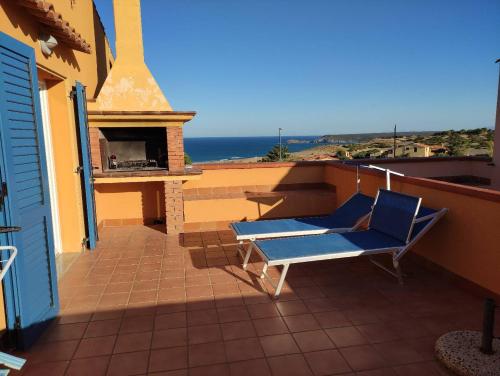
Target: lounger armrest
<point>426,217</point>
<point>434,217</point>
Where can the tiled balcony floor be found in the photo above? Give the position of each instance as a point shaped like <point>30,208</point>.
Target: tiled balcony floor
<point>144,304</point>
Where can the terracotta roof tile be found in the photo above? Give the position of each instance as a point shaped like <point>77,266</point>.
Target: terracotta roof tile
<point>45,13</point>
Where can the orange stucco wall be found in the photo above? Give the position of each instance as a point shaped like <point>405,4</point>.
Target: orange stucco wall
<point>60,71</point>
<point>441,167</point>
<point>129,201</point>
<point>90,69</point>
<point>134,200</point>
<point>257,175</point>
<point>298,203</point>
<point>465,242</point>
<point>65,159</point>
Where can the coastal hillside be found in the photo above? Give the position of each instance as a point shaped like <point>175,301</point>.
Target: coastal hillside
<point>466,142</point>
<point>365,137</point>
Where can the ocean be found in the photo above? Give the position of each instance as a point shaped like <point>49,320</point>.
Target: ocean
<point>210,149</point>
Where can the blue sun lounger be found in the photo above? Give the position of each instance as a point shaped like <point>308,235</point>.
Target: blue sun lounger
<point>397,222</point>
<point>347,217</point>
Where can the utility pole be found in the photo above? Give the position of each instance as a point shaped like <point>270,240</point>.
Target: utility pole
<point>279,136</point>
<point>394,154</point>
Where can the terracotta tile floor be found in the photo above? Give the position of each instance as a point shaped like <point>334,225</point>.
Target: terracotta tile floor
<point>145,303</point>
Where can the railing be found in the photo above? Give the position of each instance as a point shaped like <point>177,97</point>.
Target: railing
<point>488,326</point>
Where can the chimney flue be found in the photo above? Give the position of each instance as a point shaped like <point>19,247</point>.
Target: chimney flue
<point>128,30</point>
<point>130,85</point>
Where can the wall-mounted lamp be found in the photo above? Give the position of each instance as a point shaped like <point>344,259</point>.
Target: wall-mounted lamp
<point>47,44</point>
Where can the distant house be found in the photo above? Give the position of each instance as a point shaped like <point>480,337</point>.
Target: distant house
<point>438,149</point>
<point>409,150</point>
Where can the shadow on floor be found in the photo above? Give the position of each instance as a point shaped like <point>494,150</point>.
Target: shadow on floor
<point>148,303</point>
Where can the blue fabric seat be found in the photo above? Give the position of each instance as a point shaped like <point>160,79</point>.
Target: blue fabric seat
<point>343,218</point>
<point>360,242</point>
<point>397,221</point>
<point>305,247</point>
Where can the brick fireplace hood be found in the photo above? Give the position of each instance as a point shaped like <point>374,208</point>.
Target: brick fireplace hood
<point>131,99</point>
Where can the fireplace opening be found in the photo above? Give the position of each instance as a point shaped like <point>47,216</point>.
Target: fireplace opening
<point>126,149</point>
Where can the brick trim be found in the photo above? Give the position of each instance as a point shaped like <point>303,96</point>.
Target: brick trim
<point>175,149</point>
<point>174,207</point>
<point>95,148</point>
<point>238,166</point>
<point>253,191</point>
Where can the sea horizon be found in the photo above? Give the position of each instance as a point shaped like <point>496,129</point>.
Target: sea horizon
<point>217,149</point>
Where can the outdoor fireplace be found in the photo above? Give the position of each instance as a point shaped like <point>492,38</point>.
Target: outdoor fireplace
<point>136,138</point>
<point>125,149</point>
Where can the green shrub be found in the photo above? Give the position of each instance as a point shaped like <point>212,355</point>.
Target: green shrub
<point>273,155</point>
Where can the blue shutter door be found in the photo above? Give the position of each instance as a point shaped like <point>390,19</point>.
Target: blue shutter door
<point>31,287</point>
<point>86,161</point>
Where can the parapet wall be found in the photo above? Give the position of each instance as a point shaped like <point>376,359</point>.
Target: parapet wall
<point>236,192</point>
<point>464,242</point>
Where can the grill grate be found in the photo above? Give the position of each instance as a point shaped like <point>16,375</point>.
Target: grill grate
<point>135,164</point>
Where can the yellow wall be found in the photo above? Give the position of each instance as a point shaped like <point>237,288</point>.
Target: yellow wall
<point>129,201</point>
<point>257,175</point>
<point>299,203</point>
<point>90,69</point>
<point>65,159</point>
<point>132,201</point>
<point>288,204</point>
<point>60,71</point>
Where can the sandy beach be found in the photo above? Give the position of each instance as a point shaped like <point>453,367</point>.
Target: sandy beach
<point>315,153</point>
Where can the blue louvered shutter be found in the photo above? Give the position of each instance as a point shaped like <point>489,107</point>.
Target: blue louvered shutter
<point>86,162</point>
<point>31,288</point>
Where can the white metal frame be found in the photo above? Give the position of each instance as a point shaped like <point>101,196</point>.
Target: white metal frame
<point>388,174</point>
<point>9,261</point>
<point>51,170</point>
<point>397,253</point>
<point>6,359</point>
<point>289,234</point>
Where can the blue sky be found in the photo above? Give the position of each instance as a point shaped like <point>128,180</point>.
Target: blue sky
<point>323,66</point>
